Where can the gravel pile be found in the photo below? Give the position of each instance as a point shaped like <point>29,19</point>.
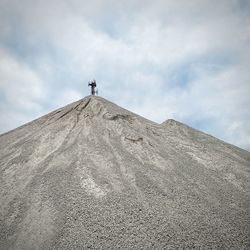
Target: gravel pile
<point>93,175</point>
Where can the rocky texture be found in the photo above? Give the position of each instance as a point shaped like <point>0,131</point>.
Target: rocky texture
<point>94,175</point>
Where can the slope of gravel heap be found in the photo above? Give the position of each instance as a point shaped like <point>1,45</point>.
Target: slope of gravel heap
<point>92,175</point>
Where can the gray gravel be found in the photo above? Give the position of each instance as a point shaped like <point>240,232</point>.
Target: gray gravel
<point>93,175</point>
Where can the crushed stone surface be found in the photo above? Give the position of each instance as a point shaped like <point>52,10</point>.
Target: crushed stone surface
<point>93,175</point>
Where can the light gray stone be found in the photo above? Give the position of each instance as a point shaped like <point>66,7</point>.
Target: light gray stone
<point>93,175</point>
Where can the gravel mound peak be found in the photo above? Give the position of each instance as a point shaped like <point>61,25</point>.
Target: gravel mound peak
<point>93,175</point>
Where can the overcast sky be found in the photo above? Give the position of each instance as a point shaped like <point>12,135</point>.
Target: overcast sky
<point>183,59</point>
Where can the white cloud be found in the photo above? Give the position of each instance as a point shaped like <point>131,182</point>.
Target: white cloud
<point>22,92</point>
<point>67,96</point>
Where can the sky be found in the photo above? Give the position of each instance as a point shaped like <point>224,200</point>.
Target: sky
<point>162,59</point>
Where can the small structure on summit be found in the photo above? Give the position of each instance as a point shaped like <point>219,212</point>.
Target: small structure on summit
<point>93,87</point>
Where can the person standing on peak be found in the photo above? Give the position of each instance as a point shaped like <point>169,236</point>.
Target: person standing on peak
<point>93,86</point>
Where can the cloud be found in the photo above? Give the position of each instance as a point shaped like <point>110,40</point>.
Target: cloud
<point>186,60</point>
<point>67,96</point>
<point>22,92</point>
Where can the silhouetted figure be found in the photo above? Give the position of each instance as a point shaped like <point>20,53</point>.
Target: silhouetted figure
<point>93,86</point>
